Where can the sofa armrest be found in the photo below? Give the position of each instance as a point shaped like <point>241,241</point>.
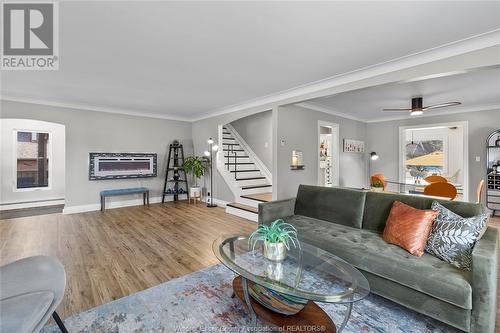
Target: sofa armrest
<point>484,282</point>
<point>270,211</point>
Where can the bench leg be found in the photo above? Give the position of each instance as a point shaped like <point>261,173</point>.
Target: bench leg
<point>144,199</point>
<point>147,196</point>
<point>103,203</point>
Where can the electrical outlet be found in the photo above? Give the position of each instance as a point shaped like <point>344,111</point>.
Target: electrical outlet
<point>478,158</point>
<point>282,142</point>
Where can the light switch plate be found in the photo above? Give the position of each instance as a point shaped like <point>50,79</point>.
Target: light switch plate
<point>478,158</point>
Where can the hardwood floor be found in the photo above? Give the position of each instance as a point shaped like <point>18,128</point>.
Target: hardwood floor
<point>495,222</point>
<point>114,254</point>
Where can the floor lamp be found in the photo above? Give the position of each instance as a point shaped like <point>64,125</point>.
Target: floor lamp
<point>210,152</point>
<point>373,157</point>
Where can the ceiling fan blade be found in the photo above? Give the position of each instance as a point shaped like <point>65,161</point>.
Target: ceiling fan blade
<point>441,105</point>
<point>397,110</point>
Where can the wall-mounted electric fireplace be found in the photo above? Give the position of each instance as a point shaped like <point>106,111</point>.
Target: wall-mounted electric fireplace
<point>122,165</point>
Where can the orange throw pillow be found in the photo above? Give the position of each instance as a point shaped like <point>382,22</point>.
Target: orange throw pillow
<point>409,227</point>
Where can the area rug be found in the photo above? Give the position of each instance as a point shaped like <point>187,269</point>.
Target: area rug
<point>201,302</point>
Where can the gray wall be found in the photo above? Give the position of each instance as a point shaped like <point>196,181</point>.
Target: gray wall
<point>88,131</point>
<point>299,128</point>
<point>383,137</point>
<point>257,131</point>
<point>207,128</point>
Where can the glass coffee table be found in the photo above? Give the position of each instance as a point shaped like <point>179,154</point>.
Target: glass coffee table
<point>284,293</point>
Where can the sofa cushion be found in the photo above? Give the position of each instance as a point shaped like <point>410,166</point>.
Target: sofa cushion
<point>378,205</point>
<point>332,204</point>
<point>453,237</point>
<point>409,227</point>
<point>367,251</point>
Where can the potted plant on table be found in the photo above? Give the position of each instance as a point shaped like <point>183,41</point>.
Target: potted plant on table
<point>277,239</point>
<point>196,166</point>
<point>377,186</point>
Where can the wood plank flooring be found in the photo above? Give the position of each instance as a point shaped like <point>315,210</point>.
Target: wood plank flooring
<point>122,251</point>
<point>114,254</point>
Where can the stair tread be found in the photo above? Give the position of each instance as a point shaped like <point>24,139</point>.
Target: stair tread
<point>237,156</point>
<point>251,178</point>
<point>261,197</point>
<point>255,170</point>
<point>255,186</point>
<point>243,207</point>
<point>233,163</point>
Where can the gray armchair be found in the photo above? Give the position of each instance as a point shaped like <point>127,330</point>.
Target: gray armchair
<point>30,291</point>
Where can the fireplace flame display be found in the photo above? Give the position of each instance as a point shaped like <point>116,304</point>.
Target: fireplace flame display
<point>122,165</point>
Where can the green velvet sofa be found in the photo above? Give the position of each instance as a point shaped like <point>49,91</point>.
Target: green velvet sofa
<point>349,223</point>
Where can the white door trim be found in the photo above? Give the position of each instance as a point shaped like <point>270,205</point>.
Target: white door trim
<point>335,154</point>
<point>465,163</point>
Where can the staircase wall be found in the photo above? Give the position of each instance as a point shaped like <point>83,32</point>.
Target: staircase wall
<point>257,130</point>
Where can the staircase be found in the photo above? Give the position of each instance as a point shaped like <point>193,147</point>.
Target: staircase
<point>245,175</point>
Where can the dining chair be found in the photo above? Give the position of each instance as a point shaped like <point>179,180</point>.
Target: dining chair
<point>453,178</point>
<point>378,178</point>
<point>435,179</point>
<point>445,190</point>
<point>479,191</point>
<point>30,291</point>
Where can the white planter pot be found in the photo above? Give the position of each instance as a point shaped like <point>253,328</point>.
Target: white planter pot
<point>195,191</point>
<point>274,251</point>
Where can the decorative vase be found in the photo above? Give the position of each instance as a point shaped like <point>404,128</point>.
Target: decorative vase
<point>274,251</point>
<point>377,189</point>
<point>497,141</point>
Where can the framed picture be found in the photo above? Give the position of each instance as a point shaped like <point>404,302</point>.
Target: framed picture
<point>354,146</point>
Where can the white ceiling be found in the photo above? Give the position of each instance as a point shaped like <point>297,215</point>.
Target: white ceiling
<point>476,90</point>
<point>184,59</point>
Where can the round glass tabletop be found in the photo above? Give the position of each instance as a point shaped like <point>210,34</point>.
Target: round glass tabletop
<point>309,272</point>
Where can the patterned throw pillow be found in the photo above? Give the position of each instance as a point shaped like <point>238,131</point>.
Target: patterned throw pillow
<point>453,236</point>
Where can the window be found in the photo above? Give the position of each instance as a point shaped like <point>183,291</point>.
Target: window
<point>424,158</point>
<point>32,159</point>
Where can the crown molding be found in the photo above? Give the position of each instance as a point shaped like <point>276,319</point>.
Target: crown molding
<point>293,95</point>
<point>322,108</point>
<point>90,107</point>
<point>436,113</point>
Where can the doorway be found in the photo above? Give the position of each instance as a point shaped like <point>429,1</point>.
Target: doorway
<point>435,149</point>
<point>328,154</point>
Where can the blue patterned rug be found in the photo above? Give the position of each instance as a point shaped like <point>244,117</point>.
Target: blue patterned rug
<point>201,302</point>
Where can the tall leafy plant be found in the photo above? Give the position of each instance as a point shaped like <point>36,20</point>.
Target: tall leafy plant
<point>197,166</point>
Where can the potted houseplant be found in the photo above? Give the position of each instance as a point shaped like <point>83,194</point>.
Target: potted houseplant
<point>277,239</point>
<point>377,186</point>
<point>196,166</point>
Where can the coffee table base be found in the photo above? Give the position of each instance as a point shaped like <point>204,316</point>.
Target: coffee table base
<point>312,316</point>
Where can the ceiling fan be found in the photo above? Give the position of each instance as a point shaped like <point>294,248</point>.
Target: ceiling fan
<point>417,107</point>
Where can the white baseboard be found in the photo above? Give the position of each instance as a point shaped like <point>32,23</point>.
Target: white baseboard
<point>219,202</point>
<point>124,203</point>
<point>34,204</point>
<point>110,205</point>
